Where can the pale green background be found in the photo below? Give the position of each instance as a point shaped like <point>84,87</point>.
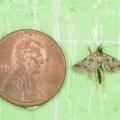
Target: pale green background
<point>74,24</point>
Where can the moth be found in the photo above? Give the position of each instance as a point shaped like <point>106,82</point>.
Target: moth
<point>98,62</point>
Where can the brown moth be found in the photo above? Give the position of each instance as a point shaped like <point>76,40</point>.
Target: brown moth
<point>98,62</point>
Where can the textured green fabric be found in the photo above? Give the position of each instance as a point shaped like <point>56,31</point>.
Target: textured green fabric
<point>75,25</point>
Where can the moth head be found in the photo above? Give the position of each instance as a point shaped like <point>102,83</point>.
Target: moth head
<point>100,48</point>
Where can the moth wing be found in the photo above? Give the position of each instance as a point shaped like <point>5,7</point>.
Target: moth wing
<point>88,64</point>
<point>111,64</point>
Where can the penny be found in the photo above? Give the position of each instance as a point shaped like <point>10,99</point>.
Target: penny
<point>32,67</point>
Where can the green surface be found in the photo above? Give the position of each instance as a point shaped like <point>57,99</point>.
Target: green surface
<point>75,25</point>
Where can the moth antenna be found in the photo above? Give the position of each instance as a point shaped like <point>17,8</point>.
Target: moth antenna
<point>90,51</point>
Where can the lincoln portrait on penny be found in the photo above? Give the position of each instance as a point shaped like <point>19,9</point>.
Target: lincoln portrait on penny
<point>29,58</point>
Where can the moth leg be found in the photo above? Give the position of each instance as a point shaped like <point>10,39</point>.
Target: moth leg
<point>96,81</point>
<point>99,76</point>
<point>90,51</point>
<point>102,85</point>
<point>103,78</point>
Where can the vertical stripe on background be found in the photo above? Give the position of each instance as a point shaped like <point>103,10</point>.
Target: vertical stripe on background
<point>35,22</point>
<point>70,37</point>
<point>56,34</point>
<point>8,24</point>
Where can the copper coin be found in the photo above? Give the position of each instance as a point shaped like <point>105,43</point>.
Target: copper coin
<point>32,67</point>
